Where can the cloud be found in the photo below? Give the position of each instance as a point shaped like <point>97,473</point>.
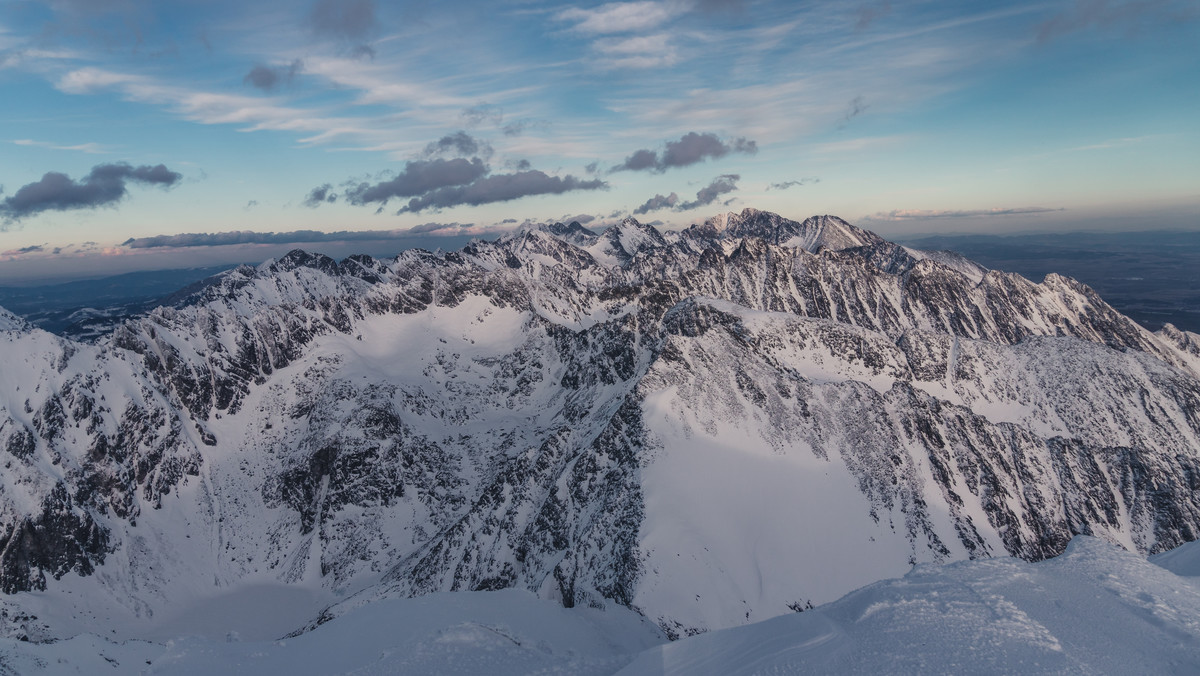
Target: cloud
<point>192,239</point>
<point>620,17</point>
<point>459,143</point>
<point>322,194</point>
<point>582,219</point>
<point>267,78</point>
<point>501,188</point>
<point>931,214</point>
<point>105,185</point>
<point>518,127</point>
<point>359,52</point>
<point>657,202</point>
<point>250,205</point>
<point>725,183</point>
<point>442,229</point>
<point>791,184</point>
<point>853,109</point>
<point>343,19</point>
<point>419,177</point>
<point>482,112</point>
<point>89,148</point>
<point>1130,15</point>
<point>691,148</point>
<point>638,51</point>
<point>720,185</point>
<point>867,14</point>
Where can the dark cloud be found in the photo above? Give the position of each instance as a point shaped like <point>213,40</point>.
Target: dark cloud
<point>582,219</point>
<point>518,127</point>
<point>592,167</point>
<point>343,19</point>
<point>1131,16</point>
<point>791,184</point>
<point>419,177</point>
<point>362,52</point>
<point>657,202</point>
<point>522,165</point>
<point>251,237</point>
<point>35,248</point>
<point>853,109</point>
<point>691,148</point>
<point>322,194</point>
<point>267,78</point>
<point>510,220</point>
<point>480,113</point>
<point>251,204</point>
<point>725,183</point>
<point>856,107</point>
<point>459,143</point>
<point>869,13</point>
<point>639,160</point>
<point>105,185</point>
<point>500,188</point>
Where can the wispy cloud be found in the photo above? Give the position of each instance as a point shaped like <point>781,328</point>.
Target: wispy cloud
<point>784,185</point>
<point>89,148</point>
<point>1127,16</point>
<point>620,17</point>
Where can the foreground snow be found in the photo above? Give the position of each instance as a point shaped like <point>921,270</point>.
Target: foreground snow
<point>502,632</point>
<point>1095,609</point>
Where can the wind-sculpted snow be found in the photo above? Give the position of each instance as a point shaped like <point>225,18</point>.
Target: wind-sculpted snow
<point>710,427</point>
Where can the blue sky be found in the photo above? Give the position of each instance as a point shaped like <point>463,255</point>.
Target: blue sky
<point>140,134</point>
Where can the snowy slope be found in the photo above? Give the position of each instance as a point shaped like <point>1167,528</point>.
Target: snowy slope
<point>504,633</point>
<point>704,427</point>
<point>1096,609</point>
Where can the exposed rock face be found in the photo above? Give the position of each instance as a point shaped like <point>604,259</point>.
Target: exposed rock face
<point>705,426</point>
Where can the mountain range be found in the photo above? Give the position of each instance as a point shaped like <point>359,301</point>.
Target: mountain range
<point>710,427</point>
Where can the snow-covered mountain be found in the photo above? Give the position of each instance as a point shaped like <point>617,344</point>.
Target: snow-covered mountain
<point>711,427</point>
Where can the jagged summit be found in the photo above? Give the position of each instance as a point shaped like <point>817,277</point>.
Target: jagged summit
<point>696,425</point>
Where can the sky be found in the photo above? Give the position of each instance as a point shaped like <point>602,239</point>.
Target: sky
<point>137,133</point>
